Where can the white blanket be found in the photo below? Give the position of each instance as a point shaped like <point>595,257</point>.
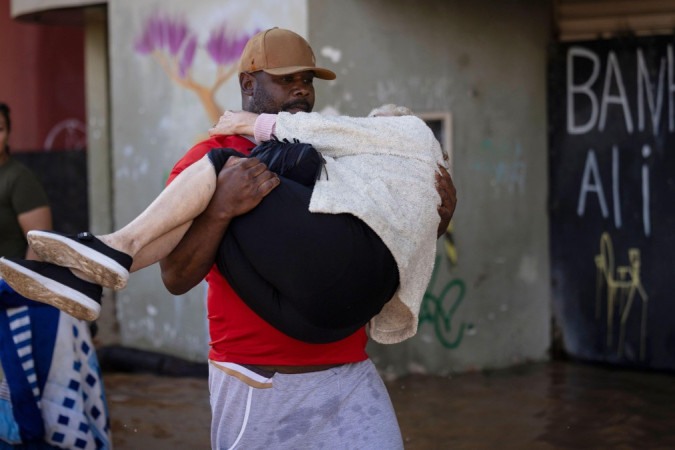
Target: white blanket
<point>382,170</point>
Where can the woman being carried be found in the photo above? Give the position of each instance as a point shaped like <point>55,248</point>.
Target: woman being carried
<point>316,260</point>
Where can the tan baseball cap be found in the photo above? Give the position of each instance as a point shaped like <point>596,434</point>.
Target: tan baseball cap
<point>280,52</point>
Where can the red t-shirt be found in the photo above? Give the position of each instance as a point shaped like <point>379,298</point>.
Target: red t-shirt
<point>238,335</point>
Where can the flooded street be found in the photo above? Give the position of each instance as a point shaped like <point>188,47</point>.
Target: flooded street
<point>153,412</point>
<point>538,406</point>
<point>542,406</point>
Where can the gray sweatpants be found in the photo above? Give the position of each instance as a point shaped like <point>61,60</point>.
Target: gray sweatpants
<point>346,407</point>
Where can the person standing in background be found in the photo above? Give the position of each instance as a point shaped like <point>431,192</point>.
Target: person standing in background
<point>51,393</point>
<point>23,203</point>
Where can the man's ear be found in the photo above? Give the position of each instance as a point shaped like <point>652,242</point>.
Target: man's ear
<point>247,83</point>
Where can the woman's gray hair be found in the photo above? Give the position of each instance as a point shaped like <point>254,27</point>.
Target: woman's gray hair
<point>390,110</point>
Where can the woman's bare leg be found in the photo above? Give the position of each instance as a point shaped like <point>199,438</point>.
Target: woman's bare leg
<point>174,208</point>
<point>159,248</point>
<point>107,260</point>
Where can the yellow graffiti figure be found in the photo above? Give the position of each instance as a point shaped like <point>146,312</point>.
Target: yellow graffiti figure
<point>622,285</point>
<point>449,245</point>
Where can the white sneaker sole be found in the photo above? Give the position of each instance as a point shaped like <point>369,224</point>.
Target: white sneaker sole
<point>45,290</point>
<point>66,252</point>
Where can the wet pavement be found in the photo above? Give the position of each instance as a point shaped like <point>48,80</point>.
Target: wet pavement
<point>538,406</point>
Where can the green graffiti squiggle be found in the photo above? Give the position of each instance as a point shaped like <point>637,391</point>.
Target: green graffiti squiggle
<point>432,310</point>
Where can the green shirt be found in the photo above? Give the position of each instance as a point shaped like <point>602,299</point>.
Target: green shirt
<point>20,192</point>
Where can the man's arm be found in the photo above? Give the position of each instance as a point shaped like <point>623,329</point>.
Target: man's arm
<point>241,186</point>
<point>446,189</point>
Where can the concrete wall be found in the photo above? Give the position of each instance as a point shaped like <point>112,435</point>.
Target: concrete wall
<point>158,111</point>
<point>485,63</point>
<point>42,81</point>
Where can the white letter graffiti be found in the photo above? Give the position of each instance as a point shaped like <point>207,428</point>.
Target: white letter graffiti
<point>615,187</point>
<point>591,169</point>
<point>646,220</point>
<point>584,88</point>
<point>621,99</point>
<point>671,90</point>
<point>644,84</point>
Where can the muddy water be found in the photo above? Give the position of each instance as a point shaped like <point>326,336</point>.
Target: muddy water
<point>538,406</point>
<point>542,406</point>
<point>150,412</point>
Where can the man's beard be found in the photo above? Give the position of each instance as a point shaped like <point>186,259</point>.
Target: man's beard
<point>263,103</point>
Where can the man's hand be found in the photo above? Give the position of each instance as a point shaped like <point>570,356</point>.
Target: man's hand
<point>446,189</point>
<point>241,186</point>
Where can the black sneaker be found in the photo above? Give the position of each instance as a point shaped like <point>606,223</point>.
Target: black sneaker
<point>83,251</point>
<point>54,285</point>
<point>293,160</point>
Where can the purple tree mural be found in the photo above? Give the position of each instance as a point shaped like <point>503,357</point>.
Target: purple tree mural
<point>171,42</point>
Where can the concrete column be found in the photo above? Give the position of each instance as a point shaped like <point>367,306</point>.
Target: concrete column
<point>98,123</point>
<point>99,149</point>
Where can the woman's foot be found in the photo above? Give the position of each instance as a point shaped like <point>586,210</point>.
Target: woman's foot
<point>53,285</point>
<point>96,260</point>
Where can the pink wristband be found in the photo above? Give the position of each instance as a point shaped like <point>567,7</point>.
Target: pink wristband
<point>263,129</point>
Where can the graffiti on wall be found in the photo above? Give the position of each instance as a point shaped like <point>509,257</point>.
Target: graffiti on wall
<point>449,245</point>
<point>612,185</point>
<point>68,134</point>
<point>620,285</point>
<point>170,41</point>
<point>439,308</point>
